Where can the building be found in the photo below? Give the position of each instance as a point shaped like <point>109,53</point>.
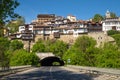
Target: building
<point>42,18</point>
<point>27,33</point>
<point>57,22</point>
<point>94,26</point>
<point>72,18</point>
<point>110,23</point>
<point>108,14</point>
<point>23,27</point>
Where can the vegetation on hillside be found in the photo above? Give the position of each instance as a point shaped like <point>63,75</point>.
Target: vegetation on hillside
<point>105,56</point>
<point>83,52</point>
<point>116,35</point>
<point>57,47</point>
<point>13,54</point>
<point>22,57</point>
<point>4,46</point>
<point>112,32</point>
<point>14,24</point>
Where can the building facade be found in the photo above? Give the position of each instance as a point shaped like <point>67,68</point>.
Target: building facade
<point>110,23</point>
<point>72,18</point>
<point>42,18</point>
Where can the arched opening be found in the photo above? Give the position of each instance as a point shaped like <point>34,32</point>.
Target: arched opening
<point>52,61</point>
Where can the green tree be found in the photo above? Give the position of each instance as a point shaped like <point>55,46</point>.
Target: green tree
<point>22,57</point>
<point>4,46</point>
<point>15,44</point>
<point>84,42</point>
<point>1,32</point>
<point>112,32</point>
<point>97,18</point>
<point>59,48</point>
<point>109,57</point>
<point>113,15</point>
<point>7,10</point>
<point>39,47</point>
<point>14,25</point>
<point>77,57</point>
<point>117,39</point>
<point>43,46</point>
<point>4,42</point>
<point>74,56</point>
<point>83,52</point>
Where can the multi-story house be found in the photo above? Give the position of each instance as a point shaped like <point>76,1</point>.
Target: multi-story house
<point>110,23</point>
<point>22,29</point>
<point>42,18</point>
<point>49,24</point>
<point>94,26</point>
<point>72,18</point>
<point>58,21</point>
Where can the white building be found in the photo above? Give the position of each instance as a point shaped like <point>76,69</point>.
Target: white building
<point>110,23</point>
<point>22,28</point>
<point>71,18</point>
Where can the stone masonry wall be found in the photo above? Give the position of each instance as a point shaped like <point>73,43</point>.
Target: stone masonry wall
<point>100,38</point>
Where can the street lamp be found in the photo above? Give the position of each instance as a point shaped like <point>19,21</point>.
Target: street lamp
<point>27,35</point>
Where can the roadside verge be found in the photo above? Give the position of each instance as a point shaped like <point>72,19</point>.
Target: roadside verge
<point>14,70</point>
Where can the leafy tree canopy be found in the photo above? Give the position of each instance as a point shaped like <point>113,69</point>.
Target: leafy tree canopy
<point>112,32</point>
<point>4,42</point>
<point>84,42</point>
<point>14,45</point>
<point>113,15</point>
<point>117,39</point>
<point>7,10</point>
<point>14,24</point>
<point>22,57</point>
<point>4,46</point>
<point>109,56</point>
<point>97,18</point>
<point>59,48</point>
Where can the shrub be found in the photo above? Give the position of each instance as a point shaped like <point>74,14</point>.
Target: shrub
<point>22,57</point>
<point>112,32</point>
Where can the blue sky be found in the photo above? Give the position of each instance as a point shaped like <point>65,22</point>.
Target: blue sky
<point>82,9</point>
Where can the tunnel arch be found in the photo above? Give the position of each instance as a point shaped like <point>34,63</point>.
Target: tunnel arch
<point>48,61</point>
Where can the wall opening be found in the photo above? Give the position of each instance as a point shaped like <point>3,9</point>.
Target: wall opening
<point>52,61</point>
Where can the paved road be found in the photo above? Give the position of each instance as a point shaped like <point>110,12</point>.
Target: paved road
<point>48,73</point>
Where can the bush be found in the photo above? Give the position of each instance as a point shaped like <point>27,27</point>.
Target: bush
<point>22,57</point>
<point>77,57</point>
<point>84,42</point>
<point>4,46</point>
<point>110,56</point>
<point>117,39</point>
<point>112,32</point>
<point>41,46</point>
<point>15,44</point>
<point>59,48</point>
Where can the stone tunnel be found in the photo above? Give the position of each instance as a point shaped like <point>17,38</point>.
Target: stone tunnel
<point>49,59</point>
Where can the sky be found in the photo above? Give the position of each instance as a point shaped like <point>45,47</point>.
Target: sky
<point>82,9</point>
